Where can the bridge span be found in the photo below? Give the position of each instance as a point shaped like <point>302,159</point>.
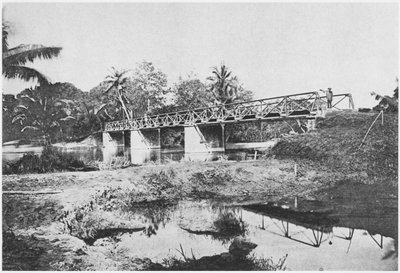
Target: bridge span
<point>309,105</point>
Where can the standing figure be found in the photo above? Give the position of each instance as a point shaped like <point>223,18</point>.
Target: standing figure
<point>329,96</point>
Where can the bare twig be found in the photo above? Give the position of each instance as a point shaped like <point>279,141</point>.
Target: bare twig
<point>369,129</point>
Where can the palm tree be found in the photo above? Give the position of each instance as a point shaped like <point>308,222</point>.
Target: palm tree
<point>117,81</point>
<point>14,59</point>
<point>222,86</point>
<point>90,118</point>
<point>39,110</point>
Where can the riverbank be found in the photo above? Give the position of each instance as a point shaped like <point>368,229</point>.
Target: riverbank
<point>93,220</point>
<point>59,226</point>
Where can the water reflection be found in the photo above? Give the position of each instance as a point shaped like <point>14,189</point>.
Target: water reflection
<point>310,239</point>
<point>152,214</point>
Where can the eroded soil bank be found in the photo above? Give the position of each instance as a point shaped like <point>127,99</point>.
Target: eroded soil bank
<point>83,227</point>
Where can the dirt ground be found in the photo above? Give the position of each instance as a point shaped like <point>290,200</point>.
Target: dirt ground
<point>35,226</point>
<point>48,219</point>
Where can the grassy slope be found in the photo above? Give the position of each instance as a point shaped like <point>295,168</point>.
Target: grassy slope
<point>336,143</point>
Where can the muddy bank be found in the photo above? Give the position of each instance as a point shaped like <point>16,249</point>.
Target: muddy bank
<point>98,218</point>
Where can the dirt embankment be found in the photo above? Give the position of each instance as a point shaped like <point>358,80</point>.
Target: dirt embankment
<point>336,145</point>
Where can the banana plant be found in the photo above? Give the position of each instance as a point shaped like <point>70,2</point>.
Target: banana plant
<point>39,110</point>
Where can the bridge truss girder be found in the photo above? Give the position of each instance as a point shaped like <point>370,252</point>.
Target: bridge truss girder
<point>304,105</point>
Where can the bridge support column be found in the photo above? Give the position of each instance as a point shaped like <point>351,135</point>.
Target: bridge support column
<point>223,137</point>
<point>110,147</point>
<point>140,149</point>
<point>157,149</point>
<point>195,144</point>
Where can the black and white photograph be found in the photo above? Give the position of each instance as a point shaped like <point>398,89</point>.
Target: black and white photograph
<point>187,136</point>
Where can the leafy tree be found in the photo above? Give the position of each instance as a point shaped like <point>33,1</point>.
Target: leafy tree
<point>191,93</point>
<point>225,88</point>
<point>41,111</point>
<point>14,59</point>
<point>147,89</point>
<point>141,93</point>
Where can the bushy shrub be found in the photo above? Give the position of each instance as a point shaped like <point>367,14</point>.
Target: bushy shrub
<point>162,182</point>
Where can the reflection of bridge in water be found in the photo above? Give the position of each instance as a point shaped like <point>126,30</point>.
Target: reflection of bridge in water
<point>144,132</point>
<point>307,228</point>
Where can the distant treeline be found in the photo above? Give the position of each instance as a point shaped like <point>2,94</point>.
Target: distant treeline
<point>61,112</point>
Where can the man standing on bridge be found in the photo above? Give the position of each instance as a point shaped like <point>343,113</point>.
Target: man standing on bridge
<point>329,96</point>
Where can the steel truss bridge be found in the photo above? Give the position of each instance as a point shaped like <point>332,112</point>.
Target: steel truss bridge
<point>304,105</point>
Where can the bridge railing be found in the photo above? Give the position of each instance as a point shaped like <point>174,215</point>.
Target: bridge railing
<point>303,104</point>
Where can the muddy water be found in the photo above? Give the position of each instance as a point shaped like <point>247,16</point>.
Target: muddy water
<point>312,241</point>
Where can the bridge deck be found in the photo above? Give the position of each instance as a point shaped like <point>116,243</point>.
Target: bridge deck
<point>303,105</point>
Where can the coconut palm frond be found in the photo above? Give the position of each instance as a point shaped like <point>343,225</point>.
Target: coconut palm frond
<point>29,128</point>
<point>5,36</point>
<point>124,71</point>
<point>107,114</point>
<point>21,106</point>
<point>19,117</point>
<point>67,101</point>
<point>109,88</point>
<point>24,73</point>
<point>28,97</point>
<point>217,74</point>
<point>67,118</point>
<point>97,109</point>
<point>22,54</point>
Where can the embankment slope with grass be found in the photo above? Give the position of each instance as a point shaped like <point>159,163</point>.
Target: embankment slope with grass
<point>335,144</point>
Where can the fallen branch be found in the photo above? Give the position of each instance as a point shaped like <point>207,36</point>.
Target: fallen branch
<point>370,127</point>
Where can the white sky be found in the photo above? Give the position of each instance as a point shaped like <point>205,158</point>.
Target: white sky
<point>274,48</point>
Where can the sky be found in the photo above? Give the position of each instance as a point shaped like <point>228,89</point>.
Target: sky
<point>273,48</point>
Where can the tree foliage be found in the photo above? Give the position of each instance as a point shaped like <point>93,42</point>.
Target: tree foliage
<point>10,131</point>
<point>117,81</point>
<point>143,92</point>
<point>226,88</point>
<point>147,89</point>
<point>48,111</point>
<point>190,93</point>
<point>61,112</point>
<point>14,59</point>
<point>387,103</point>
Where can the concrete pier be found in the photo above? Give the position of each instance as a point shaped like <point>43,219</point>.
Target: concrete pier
<point>140,148</point>
<point>203,143</point>
<point>110,146</point>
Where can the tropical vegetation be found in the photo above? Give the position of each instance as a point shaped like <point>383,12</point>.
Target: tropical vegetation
<point>388,103</point>
<point>15,58</point>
